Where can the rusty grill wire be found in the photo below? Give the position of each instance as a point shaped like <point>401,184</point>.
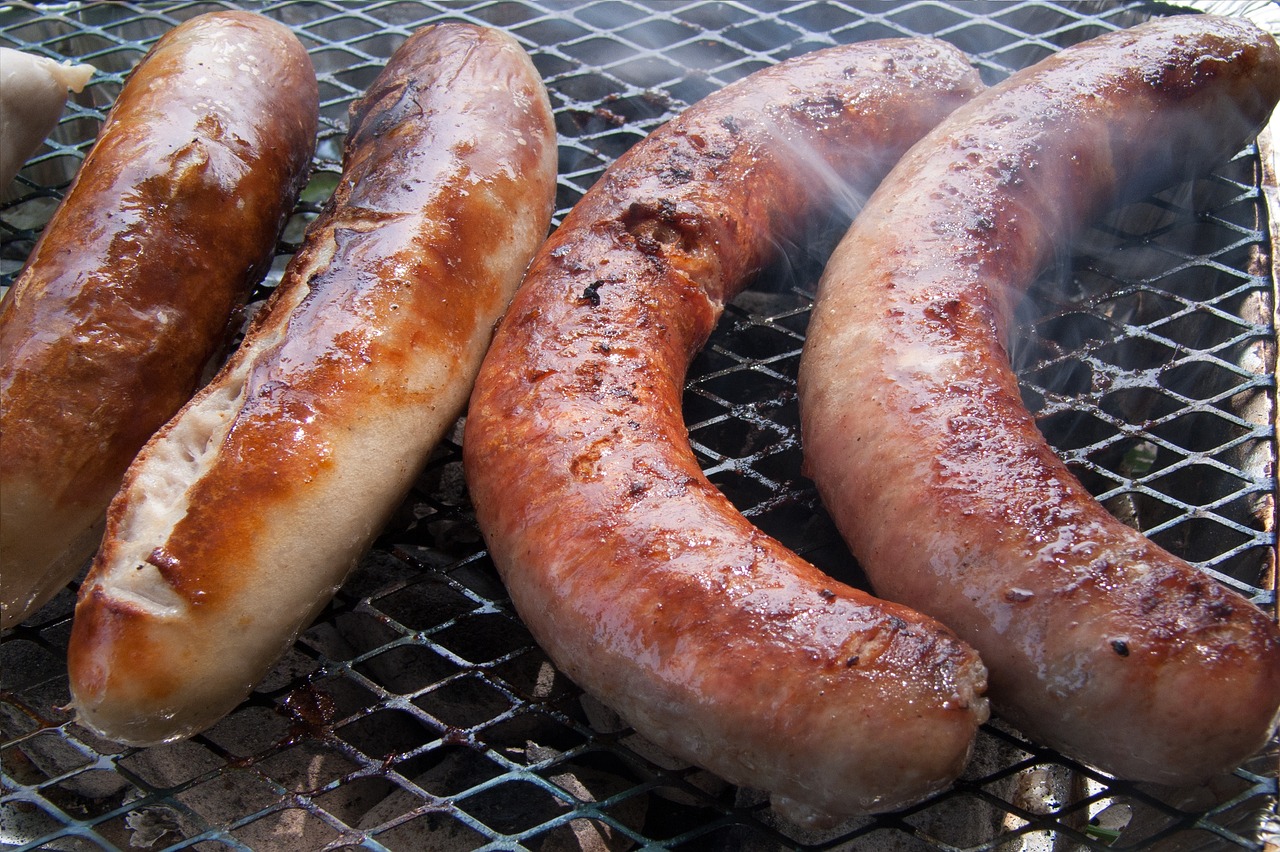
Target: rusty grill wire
<point>417,713</point>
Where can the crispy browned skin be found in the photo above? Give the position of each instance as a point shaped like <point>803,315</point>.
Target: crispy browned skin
<point>242,516</point>
<point>129,293</point>
<point>1099,643</point>
<point>638,577</point>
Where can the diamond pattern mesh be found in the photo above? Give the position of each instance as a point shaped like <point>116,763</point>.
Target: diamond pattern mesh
<point>417,713</point>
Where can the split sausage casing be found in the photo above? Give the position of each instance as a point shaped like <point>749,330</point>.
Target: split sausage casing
<point>242,516</point>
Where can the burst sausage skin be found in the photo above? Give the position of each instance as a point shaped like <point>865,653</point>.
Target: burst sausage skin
<point>640,580</point>
<point>131,290</point>
<point>1098,642</point>
<point>241,517</point>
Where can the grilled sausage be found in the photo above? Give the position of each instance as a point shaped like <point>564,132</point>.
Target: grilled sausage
<point>33,94</point>
<point>1099,643</point>
<point>639,579</point>
<point>131,289</point>
<point>239,520</point>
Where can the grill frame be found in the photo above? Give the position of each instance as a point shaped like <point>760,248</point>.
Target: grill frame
<point>418,694</point>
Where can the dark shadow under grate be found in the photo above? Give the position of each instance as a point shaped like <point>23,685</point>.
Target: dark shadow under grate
<point>418,713</point>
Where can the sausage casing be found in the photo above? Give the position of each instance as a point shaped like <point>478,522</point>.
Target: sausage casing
<point>242,516</point>
<point>638,577</point>
<point>33,93</point>
<point>1098,642</point>
<point>131,290</point>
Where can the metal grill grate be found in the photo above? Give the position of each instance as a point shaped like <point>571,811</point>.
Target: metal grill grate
<point>417,713</point>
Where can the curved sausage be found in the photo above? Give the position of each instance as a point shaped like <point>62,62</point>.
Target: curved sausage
<point>131,289</point>
<point>1099,643</point>
<point>639,579</point>
<point>242,516</point>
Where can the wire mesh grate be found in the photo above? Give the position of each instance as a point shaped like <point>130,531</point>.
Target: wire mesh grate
<point>418,713</point>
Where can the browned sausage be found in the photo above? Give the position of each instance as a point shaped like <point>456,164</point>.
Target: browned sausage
<point>244,513</point>
<point>131,289</point>
<point>633,572</point>
<point>1099,643</point>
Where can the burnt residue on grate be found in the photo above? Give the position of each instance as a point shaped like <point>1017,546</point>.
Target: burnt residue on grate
<point>418,713</point>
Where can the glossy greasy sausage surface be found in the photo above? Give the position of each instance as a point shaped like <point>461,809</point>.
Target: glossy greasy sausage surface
<point>246,511</point>
<point>1099,643</point>
<point>131,290</point>
<point>638,577</point>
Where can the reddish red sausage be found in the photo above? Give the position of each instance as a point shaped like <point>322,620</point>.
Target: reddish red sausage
<point>638,577</point>
<point>131,290</point>
<point>1099,643</point>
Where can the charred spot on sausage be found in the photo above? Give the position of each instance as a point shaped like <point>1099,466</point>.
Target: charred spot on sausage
<point>659,228</point>
<point>823,108</point>
<point>1220,609</point>
<point>676,175</point>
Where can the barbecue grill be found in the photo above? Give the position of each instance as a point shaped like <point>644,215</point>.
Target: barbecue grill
<point>417,712</point>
